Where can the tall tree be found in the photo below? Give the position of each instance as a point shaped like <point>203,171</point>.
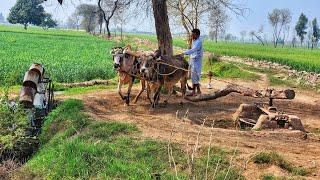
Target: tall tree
<point>108,9</point>
<point>315,33</point>
<point>243,35</point>
<point>74,21</point>
<point>301,27</point>
<point>279,19</point>
<point>27,12</point>
<point>1,18</point>
<point>258,34</point>
<point>88,13</point>
<point>100,17</point>
<point>217,21</point>
<point>48,22</point>
<point>121,17</point>
<point>191,12</point>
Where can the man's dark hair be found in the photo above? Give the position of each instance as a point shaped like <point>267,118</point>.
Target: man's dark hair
<point>196,31</point>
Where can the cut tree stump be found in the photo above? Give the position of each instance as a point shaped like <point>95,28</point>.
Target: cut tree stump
<point>268,93</point>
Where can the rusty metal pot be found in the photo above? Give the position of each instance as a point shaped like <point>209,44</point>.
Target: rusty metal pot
<point>37,68</point>
<point>31,79</point>
<point>27,96</point>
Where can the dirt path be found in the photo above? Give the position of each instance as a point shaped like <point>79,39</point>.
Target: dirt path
<point>158,124</point>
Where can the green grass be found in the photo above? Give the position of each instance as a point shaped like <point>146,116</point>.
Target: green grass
<point>68,56</point>
<point>74,146</point>
<point>228,70</point>
<point>274,158</point>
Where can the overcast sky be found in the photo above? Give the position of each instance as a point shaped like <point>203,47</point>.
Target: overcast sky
<point>255,18</point>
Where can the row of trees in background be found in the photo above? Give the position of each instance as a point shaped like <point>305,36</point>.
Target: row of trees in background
<point>90,16</point>
<point>313,34</point>
<point>189,14</point>
<point>2,20</point>
<point>27,12</point>
<point>280,20</point>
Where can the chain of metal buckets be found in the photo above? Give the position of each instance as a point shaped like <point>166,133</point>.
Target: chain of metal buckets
<point>36,95</point>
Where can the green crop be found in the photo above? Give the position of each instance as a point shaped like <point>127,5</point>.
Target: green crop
<point>68,56</point>
<point>297,58</point>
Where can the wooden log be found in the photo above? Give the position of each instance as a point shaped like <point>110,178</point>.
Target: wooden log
<point>85,84</point>
<point>269,93</point>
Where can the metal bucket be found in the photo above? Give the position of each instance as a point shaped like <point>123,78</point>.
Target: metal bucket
<point>39,101</point>
<point>37,68</point>
<point>27,96</point>
<point>31,79</point>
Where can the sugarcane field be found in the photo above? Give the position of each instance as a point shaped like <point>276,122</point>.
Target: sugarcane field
<point>159,89</point>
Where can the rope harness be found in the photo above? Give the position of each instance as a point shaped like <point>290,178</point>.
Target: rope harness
<point>134,67</point>
<point>176,68</point>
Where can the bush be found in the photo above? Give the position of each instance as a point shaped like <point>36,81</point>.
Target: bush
<point>13,124</point>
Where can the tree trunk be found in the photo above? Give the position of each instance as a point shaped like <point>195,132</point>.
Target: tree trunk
<point>162,27</point>
<point>108,30</point>
<point>25,26</point>
<point>259,38</point>
<point>274,94</point>
<point>216,36</point>
<point>100,28</point>
<point>121,32</point>
<point>107,19</point>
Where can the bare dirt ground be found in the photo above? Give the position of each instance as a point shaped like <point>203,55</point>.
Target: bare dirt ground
<point>295,146</point>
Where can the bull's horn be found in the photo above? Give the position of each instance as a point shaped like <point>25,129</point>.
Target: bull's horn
<point>126,51</point>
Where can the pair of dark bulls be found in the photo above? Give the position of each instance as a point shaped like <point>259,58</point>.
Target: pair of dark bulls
<point>153,70</point>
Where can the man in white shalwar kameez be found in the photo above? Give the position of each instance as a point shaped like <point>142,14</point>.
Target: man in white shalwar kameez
<point>195,62</point>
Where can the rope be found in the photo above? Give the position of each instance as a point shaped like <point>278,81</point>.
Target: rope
<point>176,69</point>
<point>159,62</point>
<point>168,74</point>
<point>130,70</point>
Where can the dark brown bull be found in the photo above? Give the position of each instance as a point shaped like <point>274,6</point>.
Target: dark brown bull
<point>127,65</point>
<point>164,71</point>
